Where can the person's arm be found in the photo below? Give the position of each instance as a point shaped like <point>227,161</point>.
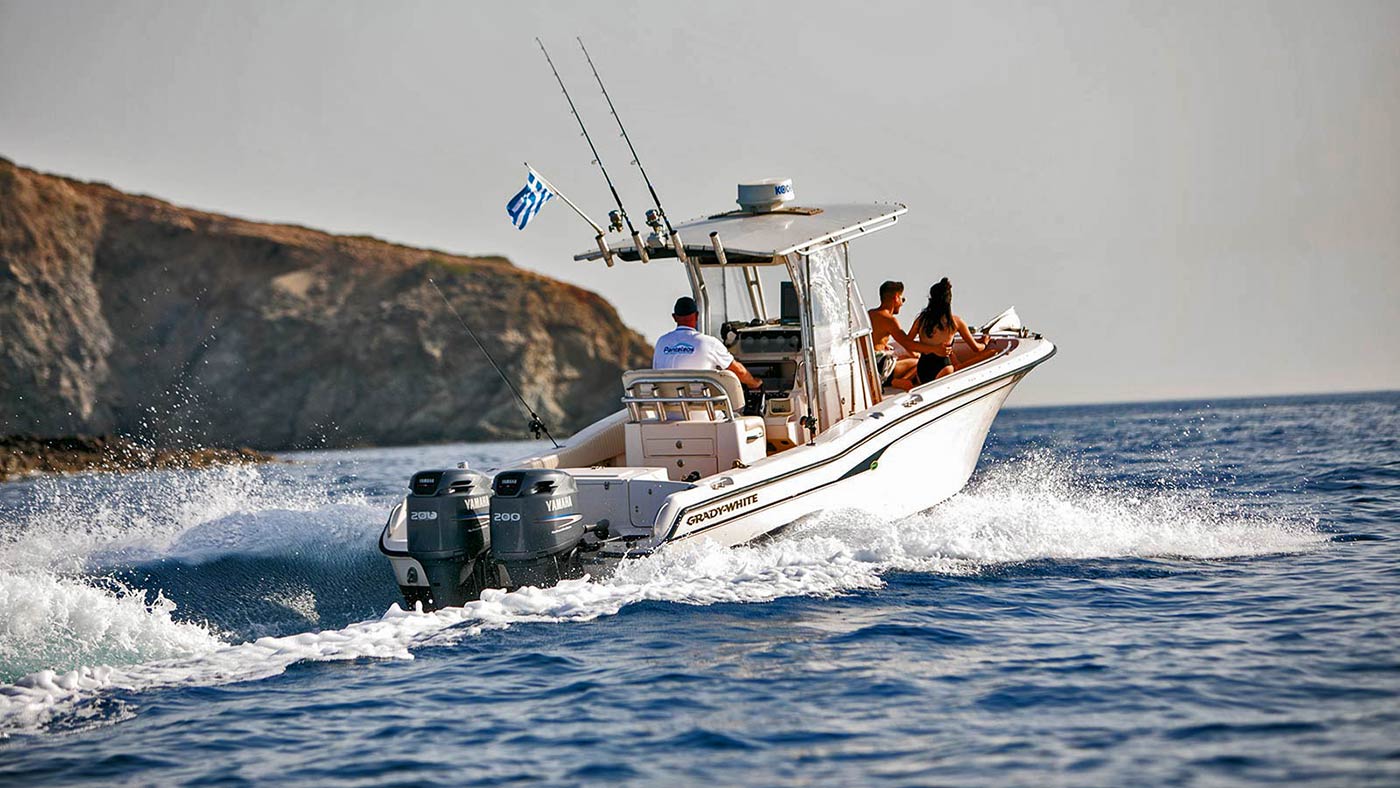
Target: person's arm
<point>723,359</point>
<point>744,375</point>
<point>977,347</point>
<point>908,342</point>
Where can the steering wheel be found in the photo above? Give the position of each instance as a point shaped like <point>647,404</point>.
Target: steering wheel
<point>755,401</point>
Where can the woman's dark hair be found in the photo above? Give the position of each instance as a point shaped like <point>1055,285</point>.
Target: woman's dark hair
<point>939,312</point>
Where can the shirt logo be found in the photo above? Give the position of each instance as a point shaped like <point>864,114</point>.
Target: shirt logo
<point>681,348</point>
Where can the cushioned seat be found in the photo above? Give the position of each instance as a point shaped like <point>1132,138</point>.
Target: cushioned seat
<point>689,422</point>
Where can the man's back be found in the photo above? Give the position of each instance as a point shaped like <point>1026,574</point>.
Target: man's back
<point>686,348</point>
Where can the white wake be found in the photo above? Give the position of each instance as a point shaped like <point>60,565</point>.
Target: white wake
<point>101,637</point>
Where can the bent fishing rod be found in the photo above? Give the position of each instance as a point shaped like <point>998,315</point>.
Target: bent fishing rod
<point>536,423</point>
<point>660,217</point>
<point>616,219</point>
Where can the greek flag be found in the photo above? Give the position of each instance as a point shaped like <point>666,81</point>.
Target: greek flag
<point>528,202</point>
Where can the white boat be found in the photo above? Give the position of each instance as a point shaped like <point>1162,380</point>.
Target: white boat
<point>690,455</point>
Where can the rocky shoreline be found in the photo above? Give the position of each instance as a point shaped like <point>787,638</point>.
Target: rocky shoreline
<point>27,455</point>
<point>126,315</point>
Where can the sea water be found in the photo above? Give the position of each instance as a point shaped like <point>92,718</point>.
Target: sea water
<point>1183,593</point>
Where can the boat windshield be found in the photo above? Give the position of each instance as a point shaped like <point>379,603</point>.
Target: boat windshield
<point>820,294</point>
<point>741,293</point>
<point>837,323</point>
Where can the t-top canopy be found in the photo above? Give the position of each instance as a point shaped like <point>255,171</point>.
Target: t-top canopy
<point>774,234</point>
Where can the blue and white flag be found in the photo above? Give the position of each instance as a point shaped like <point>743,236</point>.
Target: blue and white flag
<point>528,202</point>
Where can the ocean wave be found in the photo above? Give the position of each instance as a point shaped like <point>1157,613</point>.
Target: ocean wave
<point>84,639</point>
<point>72,525</point>
<point>1041,506</point>
<point>48,622</point>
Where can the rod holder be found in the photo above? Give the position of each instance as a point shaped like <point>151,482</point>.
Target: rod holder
<point>719,248</point>
<point>603,247</point>
<point>679,247</point>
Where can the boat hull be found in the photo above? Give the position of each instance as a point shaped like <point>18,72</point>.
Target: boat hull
<point>920,459</point>
<point>910,452</point>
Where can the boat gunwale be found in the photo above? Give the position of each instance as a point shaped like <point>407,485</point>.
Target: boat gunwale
<point>901,419</point>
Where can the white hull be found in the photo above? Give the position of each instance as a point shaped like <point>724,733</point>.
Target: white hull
<point>692,456</point>
<point>922,461</point>
<point>907,454</point>
<point>912,451</point>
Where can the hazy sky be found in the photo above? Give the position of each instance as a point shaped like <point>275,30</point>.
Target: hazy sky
<point>1190,199</point>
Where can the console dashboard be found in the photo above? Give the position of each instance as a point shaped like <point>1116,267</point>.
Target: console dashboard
<point>771,352</point>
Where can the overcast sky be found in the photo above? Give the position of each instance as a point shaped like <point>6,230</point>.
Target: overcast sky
<point>1190,199</point>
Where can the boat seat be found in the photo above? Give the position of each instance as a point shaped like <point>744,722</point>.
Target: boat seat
<point>689,421</point>
<point>682,394</point>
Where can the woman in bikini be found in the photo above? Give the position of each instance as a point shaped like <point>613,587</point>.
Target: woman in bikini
<point>936,326</point>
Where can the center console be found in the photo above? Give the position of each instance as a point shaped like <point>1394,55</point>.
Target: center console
<point>771,352</point>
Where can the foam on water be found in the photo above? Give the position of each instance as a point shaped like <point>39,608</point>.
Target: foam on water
<point>48,621</point>
<point>103,638</point>
<point>107,519</point>
<point>1039,508</point>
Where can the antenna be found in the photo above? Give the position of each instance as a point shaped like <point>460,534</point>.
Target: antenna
<point>656,218</point>
<point>615,218</point>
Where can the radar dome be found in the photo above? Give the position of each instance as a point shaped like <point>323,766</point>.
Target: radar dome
<point>765,195</point>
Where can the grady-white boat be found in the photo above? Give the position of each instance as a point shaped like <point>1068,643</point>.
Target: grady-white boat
<point>691,455</point>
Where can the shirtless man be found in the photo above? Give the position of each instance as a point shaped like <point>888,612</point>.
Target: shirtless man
<point>894,371</point>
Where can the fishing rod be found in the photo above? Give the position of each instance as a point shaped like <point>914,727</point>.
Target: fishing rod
<point>536,423</point>
<point>659,217</point>
<point>615,218</point>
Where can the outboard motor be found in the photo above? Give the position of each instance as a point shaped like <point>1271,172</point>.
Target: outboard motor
<point>449,534</point>
<point>536,527</point>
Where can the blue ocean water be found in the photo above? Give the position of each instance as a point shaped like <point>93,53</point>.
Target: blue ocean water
<point>1185,593</point>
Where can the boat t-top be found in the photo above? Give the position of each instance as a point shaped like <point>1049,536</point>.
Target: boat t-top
<point>690,454</point>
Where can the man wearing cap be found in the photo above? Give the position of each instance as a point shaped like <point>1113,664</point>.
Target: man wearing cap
<point>687,348</point>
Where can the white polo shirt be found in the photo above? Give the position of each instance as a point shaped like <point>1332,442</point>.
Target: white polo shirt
<point>686,348</point>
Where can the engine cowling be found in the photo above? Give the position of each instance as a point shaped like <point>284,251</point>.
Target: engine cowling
<point>536,526</point>
<point>449,534</point>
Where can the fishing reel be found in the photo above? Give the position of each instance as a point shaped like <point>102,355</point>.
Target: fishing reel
<point>615,219</point>
<point>656,220</point>
<point>536,426</point>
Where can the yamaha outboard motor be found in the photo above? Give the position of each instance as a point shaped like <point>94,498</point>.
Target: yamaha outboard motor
<point>536,527</point>
<point>449,534</point>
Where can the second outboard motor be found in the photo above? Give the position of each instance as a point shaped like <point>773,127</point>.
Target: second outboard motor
<point>536,527</point>
<point>449,533</point>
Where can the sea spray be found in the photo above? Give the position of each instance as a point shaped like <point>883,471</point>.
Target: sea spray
<point>82,638</point>
<point>54,623</point>
<point>1041,506</point>
<point>68,524</point>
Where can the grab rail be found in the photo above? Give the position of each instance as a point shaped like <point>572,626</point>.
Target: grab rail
<point>634,405</point>
<point>720,398</point>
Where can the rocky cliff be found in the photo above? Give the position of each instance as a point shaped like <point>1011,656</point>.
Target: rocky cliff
<point>125,314</point>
